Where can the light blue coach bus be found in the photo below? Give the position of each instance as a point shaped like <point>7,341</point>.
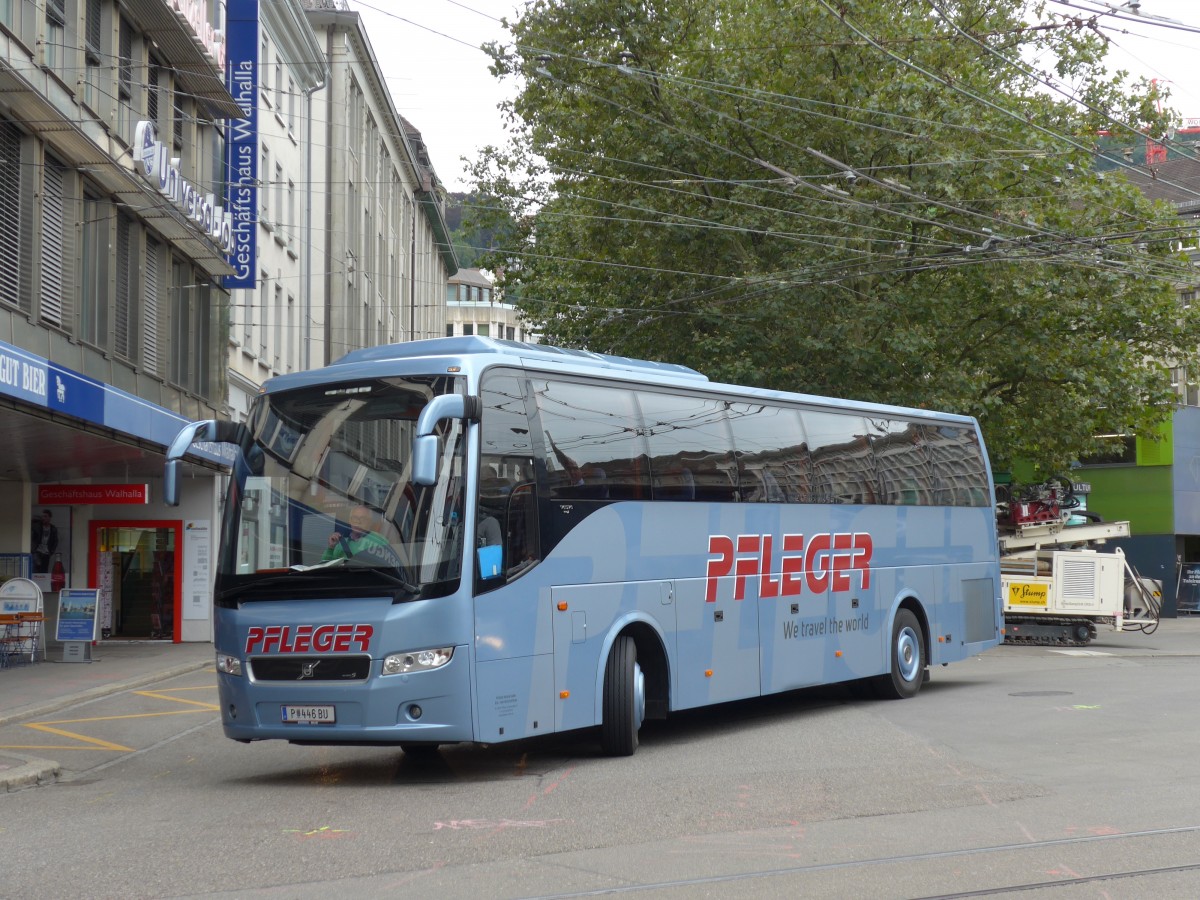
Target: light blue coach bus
<point>467,539</point>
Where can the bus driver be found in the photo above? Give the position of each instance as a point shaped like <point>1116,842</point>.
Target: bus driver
<point>363,540</point>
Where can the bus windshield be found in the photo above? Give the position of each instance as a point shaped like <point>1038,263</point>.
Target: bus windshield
<point>325,494</point>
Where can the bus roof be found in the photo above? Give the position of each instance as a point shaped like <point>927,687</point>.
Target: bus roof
<point>473,346</point>
<point>478,352</point>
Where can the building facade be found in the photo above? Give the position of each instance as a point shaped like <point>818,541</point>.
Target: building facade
<point>1155,483</point>
<point>122,313</point>
<point>385,255</point>
<point>112,312</point>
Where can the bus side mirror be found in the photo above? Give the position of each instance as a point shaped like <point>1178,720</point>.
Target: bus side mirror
<point>171,477</point>
<point>425,459</point>
<point>425,442</point>
<point>207,430</point>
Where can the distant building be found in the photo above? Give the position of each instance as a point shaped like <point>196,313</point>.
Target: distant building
<point>1155,484</point>
<point>473,306</point>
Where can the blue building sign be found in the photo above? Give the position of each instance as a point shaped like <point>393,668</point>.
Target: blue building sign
<point>48,385</point>
<point>241,144</point>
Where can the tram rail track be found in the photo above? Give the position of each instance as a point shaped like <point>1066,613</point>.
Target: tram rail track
<point>903,859</point>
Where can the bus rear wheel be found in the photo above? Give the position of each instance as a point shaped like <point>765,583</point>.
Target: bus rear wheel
<point>908,659</point>
<point>624,699</point>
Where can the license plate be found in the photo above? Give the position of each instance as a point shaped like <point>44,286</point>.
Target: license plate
<point>309,715</point>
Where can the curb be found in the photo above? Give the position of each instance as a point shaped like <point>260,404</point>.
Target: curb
<point>39,772</point>
<point>33,773</point>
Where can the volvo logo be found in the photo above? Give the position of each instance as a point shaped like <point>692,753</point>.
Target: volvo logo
<point>307,669</point>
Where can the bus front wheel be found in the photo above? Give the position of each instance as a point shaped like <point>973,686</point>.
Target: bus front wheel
<point>908,659</point>
<point>624,699</point>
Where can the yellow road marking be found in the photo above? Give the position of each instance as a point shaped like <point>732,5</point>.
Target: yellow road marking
<point>103,745</point>
<point>172,712</point>
<point>156,695</point>
<point>45,747</point>
<point>97,743</point>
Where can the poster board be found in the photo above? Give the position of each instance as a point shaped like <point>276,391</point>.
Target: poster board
<point>77,609</point>
<point>197,588</point>
<point>1187,598</point>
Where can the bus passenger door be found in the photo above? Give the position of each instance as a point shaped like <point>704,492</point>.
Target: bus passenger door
<point>717,645</point>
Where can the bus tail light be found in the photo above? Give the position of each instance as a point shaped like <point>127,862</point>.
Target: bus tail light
<point>417,660</point>
<point>230,665</point>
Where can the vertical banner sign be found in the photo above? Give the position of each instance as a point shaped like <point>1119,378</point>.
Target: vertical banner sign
<point>241,143</point>
<point>197,549</point>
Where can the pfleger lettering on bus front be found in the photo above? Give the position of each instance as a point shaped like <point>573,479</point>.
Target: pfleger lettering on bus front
<point>823,562</point>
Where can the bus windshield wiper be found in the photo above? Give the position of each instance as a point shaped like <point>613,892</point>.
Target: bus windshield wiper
<point>272,577</point>
<point>397,575</point>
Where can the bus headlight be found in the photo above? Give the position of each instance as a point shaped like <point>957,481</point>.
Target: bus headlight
<point>230,665</point>
<point>417,660</point>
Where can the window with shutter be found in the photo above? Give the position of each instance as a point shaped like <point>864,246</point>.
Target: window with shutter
<point>93,27</point>
<point>125,62</point>
<point>94,261</point>
<point>150,305</point>
<point>182,301</point>
<point>125,75</point>
<point>10,214</point>
<point>177,122</point>
<point>52,243</point>
<point>122,332</point>
<point>202,351</point>
<point>153,87</point>
<point>94,52</point>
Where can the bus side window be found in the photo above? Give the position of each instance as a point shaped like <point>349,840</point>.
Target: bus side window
<point>691,447</point>
<point>769,443</point>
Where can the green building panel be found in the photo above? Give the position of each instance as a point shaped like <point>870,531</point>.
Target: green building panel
<point>1139,495</point>
<point>1157,452</point>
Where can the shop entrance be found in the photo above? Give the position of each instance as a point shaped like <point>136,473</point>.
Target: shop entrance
<point>137,568</point>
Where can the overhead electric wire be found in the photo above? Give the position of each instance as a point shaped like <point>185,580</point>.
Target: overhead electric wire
<point>865,42</point>
<point>1074,98</point>
<point>984,100</point>
<point>933,223</point>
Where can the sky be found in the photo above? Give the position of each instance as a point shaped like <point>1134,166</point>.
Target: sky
<point>1166,51</point>
<point>438,76</point>
<point>440,82</point>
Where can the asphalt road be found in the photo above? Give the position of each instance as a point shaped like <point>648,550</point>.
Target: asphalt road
<point>1027,771</point>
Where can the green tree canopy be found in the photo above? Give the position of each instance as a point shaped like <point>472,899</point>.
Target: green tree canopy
<point>873,199</point>
<point>478,225</point>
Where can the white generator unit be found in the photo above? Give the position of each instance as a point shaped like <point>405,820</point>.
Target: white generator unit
<point>1084,586</point>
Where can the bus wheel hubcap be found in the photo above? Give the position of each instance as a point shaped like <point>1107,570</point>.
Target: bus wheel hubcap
<point>908,654</point>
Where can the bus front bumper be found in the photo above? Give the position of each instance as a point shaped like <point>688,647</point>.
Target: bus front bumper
<point>422,707</point>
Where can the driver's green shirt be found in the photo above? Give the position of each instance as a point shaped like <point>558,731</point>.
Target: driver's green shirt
<point>370,545</point>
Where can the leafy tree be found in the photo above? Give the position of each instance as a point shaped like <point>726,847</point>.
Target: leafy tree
<point>478,225</point>
<point>864,198</point>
